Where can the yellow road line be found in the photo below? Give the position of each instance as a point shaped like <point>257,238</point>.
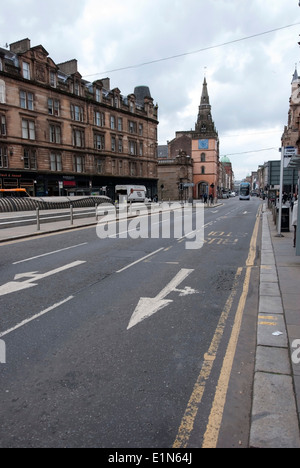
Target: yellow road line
<point>268,323</point>
<point>187,423</point>
<point>188,419</point>
<point>214,423</point>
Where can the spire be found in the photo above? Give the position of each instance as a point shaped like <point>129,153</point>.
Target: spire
<point>205,125</point>
<point>205,96</point>
<point>295,76</point>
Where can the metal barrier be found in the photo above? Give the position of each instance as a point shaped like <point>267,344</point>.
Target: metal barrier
<point>31,204</point>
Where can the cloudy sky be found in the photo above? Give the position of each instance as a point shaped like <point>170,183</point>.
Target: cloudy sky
<point>169,45</point>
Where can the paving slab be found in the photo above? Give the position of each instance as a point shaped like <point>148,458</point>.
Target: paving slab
<point>267,258</point>
<point>269,324</point>
<point>266,277</point>
<point>274,413</point>
<point>270,289</point>
<point>272,359</point>
<point>269,304</point>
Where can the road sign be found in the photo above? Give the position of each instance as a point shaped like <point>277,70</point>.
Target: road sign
<point>290,150</point>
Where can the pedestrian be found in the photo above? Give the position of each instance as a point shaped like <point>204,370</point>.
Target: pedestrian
<point>294,220</point>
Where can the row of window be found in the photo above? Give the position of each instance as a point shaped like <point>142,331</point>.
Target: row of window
<point>76,86</point>
<point>56,163</point>
<point>136,148</point>
<point>77,114</point>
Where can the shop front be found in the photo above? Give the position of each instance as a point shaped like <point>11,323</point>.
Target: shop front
<point>12,180</point>
<point>55,185</point>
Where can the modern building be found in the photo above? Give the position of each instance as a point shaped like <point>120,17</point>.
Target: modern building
<point>60,134</point>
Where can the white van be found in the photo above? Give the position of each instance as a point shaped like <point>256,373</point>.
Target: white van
<point>131,193</point>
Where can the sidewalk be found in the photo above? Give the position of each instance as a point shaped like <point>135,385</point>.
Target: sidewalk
<point>276,393</point>
<point>22,232</point>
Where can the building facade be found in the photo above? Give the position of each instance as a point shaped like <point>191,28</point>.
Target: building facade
<point>176,177</point>
<point>205,149</point>
<point>202,145</point>
<point>291,134</point>
<point>60,134</point>
<point>226,176</point>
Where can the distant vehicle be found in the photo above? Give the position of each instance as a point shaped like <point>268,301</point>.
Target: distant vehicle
<point>14,193</point>
<point>232,194</point>
<point>131,193</point>
<point>245,191</point>
<point>225,195</point>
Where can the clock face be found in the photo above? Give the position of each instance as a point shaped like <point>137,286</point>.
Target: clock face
<point>203,144</point>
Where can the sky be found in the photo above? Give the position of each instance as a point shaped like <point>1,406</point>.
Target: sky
<point>247,49</point>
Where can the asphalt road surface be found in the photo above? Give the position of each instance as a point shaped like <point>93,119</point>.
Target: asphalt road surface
<point>130,343</point>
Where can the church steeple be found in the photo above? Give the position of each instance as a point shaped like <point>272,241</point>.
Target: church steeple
<point>205,96</point>
<point>205,125</point>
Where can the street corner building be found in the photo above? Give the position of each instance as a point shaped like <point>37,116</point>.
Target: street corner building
<point>63,135</point>
<point>190,163</point>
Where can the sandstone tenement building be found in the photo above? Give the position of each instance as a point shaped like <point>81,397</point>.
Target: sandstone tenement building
<point>60,134</point>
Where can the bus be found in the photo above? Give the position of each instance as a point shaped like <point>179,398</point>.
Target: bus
<point>14,193</point>
<point>131,193</point>
<point>245,191</point>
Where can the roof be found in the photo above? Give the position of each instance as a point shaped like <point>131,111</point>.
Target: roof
<point>225,159</point>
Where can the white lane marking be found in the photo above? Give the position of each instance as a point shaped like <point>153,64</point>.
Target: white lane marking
<point>148,306</point>
<point>34,317</point>
<point>49,253</point>
<point>140,260</point>
<point>14,286</point>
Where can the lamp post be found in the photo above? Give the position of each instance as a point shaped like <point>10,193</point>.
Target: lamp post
<point>280,193</point>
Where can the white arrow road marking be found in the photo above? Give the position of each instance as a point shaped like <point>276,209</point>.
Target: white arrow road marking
<point>14,286</point>
<point>148,306</point>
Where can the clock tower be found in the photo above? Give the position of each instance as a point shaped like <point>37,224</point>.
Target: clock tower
<point>205,150</point>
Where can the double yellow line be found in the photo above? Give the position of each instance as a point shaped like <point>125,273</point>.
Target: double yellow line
<point>214,423</point>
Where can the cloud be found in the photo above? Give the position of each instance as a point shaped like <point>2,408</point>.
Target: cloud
<point>249,81</point>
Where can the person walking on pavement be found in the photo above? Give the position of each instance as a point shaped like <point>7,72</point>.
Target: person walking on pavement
<point>294,219</point>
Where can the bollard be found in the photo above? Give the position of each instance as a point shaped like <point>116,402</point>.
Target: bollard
<point>96,208</point>
<point>71,215</point>
<point>38,224</point>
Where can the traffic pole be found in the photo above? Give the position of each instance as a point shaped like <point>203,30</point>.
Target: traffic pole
<point>38,224</point>
<point>280,194</point>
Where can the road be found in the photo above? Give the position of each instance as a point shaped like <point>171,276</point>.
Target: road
<point>132,343</point>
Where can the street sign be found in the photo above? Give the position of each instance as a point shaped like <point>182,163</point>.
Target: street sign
<point>289,152</point>
<point>188,185</point>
